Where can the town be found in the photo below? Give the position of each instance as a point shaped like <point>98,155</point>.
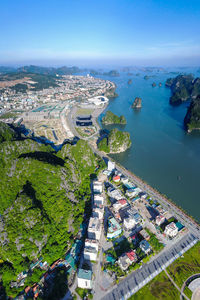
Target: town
<point>127,231</point>
<point>131,233</point>
<point>44,112</point>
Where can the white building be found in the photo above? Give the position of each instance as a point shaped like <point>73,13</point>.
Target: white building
<point>129,223</point>
<point>98,212</point>
<point>84,279</point>
<point>91,250</point>
<point>98,100</point>
<point>115,194</point>
<point>98,200</point>
<point>160,220</point>
<point>133,192</point>
<point>124,179</point>
<point>111,166</point>
<point>94,229</point>
<point>171,230</point>
<point>97,187</point>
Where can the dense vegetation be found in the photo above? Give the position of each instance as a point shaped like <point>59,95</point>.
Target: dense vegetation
<point>192,118</point>
<point>43,196</point>
<point>116,141</point>
<point>185,87</point>
<point>6,133</point>
<point>181,87</point>
<point>111,118</point>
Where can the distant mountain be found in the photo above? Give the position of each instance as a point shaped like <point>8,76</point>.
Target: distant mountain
<point>49,70</point>
<point>42,70</point>
<point>7,69</point>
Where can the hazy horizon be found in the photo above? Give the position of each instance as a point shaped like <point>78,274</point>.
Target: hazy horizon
<point>115,32</point>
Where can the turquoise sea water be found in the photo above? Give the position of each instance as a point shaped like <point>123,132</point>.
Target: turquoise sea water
<point>162,153</point>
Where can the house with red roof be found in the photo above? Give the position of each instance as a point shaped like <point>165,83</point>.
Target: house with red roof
<point>132,256</point>
<point>116,178</point>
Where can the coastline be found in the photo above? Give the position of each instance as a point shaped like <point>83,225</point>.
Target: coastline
<point>159,194</point>
<point>139,180</point>
<point>144,183</point>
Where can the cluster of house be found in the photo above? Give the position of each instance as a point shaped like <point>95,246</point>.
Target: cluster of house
<point>123,213</point>
<point>22,276</point>
<point>126,259</point>
<point>69,88</point>
<point>170,229</point>
<point>90,252</point>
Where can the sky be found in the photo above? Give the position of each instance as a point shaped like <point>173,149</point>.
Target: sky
<point>97,32</point>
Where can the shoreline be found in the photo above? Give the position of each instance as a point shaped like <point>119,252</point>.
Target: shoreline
<point>163,196</point>
<point>143,182</point>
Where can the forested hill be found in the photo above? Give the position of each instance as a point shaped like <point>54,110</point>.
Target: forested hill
<point>43,197</point>
<point>42,70</point>
<point>186,87</point>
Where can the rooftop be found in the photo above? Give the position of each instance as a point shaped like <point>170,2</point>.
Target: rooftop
<point>85,274</point>
<point>94,224</point>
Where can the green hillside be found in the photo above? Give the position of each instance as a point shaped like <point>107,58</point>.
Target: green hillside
<point>43,197</point>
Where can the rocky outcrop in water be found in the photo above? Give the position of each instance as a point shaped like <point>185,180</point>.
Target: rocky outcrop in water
<point>117,141</point>
<point>111,118</point>
<point>130,81</point>
<point>183,88</point>
<point>137,103</point>
<point>192,118</point>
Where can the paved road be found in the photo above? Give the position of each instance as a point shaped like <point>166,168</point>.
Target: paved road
<point>132,283</point>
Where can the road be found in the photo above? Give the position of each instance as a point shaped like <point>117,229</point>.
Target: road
<point>187,281</point>
<point>136,280</point>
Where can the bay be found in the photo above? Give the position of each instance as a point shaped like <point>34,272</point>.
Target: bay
<point>162,153</point>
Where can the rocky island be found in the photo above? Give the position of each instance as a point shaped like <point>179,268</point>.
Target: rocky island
<point>183,88</point>
<point>112,73</point>
<point>111,118</point>
<point>192,118</point>
<point>117,141</point>
<point>137,103</point>
<point>130,81</point>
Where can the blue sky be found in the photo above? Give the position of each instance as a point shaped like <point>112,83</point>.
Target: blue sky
<point>81,32</point>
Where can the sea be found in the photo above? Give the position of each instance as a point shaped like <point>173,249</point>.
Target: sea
<point>162,153</point>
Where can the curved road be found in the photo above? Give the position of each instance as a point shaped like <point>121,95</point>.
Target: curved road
<point>192,277</point>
